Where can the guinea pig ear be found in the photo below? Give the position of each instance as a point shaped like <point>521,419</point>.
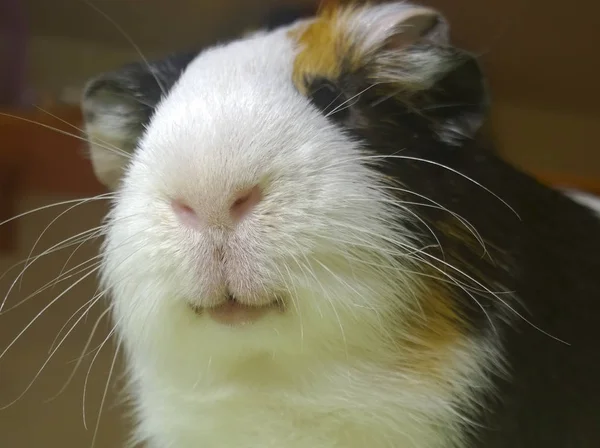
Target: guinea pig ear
<point>394,25</point>
<point>117,106</point>
<point>459,101</point>
<point>403,52</point>
<point>406,49</point>
<point>366,39</point>
<point>114,121</point>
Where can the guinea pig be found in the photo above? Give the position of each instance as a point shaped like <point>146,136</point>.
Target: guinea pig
<point>313,245</point>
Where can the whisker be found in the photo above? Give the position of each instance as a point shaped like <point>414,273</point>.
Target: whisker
<point>48,359</point>
<point>84,354</point>
<point>337,277</point>
<point>441,165</point>
<point>86,235</point>
<point>294,299</point>
<point>105,196</point>
<point>89,304</point>
<point>137,100</point>
<point>512,309</point>
<point>80,359</point>
<point>427,226</point>
<point>383,157</point>
<point>63,275</point>
<point>333,307</point>
<point>389,269</point>
<point>87,376</point>
<point>447,105</point>
<point>44,310</point>
<point>357,96</point>
<point>63,132</point>
<point>332,101</point>
<point>401,244</point>
<point>98,234</point>
<point>463,220</point>
<point>364,244</point>
<point>78,129</point>
<point>67,275</point>
<point>452,280</point>
<point>131,42</point>
<point>110,372</point>
<point>45,230</point>
<point>304,268</point>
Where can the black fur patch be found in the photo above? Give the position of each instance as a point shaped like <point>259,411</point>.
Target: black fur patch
<point>132,92</point>
<point>539,260</point>
<point>328,98</point>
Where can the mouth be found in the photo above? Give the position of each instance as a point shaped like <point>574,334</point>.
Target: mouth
<point>232,312</point>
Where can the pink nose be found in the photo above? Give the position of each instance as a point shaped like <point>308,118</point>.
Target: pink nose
<point>240,206</point>
<point>244,202</point>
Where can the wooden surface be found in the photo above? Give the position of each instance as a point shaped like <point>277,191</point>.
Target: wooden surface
<point>35,149</point>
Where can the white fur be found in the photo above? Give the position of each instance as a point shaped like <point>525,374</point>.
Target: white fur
<point>589,200</point>
<point>370,27</point>
<point>326,373</point>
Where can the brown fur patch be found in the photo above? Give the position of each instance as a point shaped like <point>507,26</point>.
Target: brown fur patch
<point>436,323</point>
<point>333,42</point>
<point>324,45</point>
<point>432,331</point>
<point>459,231</point>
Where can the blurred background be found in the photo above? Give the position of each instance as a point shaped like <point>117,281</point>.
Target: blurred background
<point>541,57</point>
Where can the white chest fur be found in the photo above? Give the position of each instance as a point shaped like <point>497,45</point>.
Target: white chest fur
<point>199,385</point>
<point>341,407</point>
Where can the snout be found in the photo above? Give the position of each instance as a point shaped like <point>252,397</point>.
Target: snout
<point>226,212</point>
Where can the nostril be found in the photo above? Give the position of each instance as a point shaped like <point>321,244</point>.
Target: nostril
<point>244,202</point>
<point>185,214</point>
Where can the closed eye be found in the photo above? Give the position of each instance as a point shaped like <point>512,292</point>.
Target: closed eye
<point>327,97</point>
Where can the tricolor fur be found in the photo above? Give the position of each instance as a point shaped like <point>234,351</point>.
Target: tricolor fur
<point>397,291</point>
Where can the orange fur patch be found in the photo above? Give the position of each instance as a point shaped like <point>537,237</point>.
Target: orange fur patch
<point>324,44</point>
<point>434,329</point>
<point>345,37</point>
<point>439,324</point>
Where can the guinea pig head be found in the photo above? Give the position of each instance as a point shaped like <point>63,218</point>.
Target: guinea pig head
<point>252,184</point>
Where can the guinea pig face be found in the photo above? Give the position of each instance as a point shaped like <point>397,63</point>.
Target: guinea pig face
<point>251,209</point>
